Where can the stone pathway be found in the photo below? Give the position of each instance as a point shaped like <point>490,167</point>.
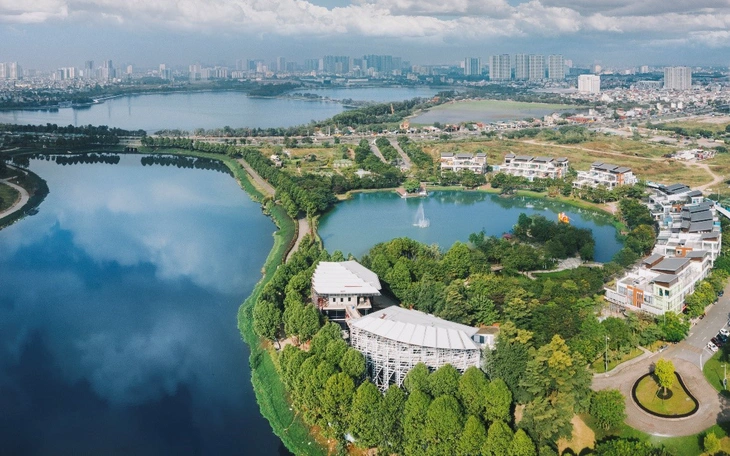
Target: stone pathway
<point>302,230</point>
<point>20,203</point>
<point>260,182</point>
<point>406,161</point>
<point>376,151</point>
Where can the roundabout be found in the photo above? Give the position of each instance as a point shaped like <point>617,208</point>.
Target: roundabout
<point>674,402</point>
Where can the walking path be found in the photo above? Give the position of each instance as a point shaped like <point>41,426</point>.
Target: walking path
<point>260,182</point>
<point>406,161</point>
<point>20,203</point>
<point>376,151</point>
<point>302,230</point>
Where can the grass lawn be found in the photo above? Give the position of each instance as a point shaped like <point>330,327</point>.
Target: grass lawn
<point>8,196</point>
<point>679,404</point>
<point>714,372</point>
<point>599,365</point>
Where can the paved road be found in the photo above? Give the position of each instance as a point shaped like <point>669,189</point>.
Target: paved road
<point>302,230</point>
<point>694,348</point>
<point>404,156</point>
<point>20,203</point>
<point>376,151</point>
<point>259,181</point>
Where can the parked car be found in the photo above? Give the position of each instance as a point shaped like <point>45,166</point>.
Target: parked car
<point>721,292</point>
<point>722,337</point>
<point>724,332</point>
<point>712,347</point>
<point>716,341</point>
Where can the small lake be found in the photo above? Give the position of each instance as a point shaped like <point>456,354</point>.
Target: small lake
<point>118,305</point>
<point>488,111</point>
<point>188,111</point>
<point>355,225</point>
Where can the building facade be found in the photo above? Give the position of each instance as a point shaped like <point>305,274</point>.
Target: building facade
<point>677,78</point>
<point>500,67</point>
<point>344,289</point>
<point>589,83</point>
<point>556,67</point>
<point>472,66</point>
<point>605,174</point>
<point>531,167</point>
<point>536,65</point>
<point>461,161</point>
<point>522,67</point>
<point>394,340</point>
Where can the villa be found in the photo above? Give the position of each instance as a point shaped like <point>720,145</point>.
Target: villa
<point>458,162</point>
<point>606,175</point>
<point>531,167</point>
<point>344,289</point>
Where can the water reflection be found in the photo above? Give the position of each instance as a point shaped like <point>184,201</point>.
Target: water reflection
<point>117,315</point>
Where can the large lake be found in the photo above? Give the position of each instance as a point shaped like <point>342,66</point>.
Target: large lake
<point>118,306</point>
<point>355,225</point>
<point>188,111</point>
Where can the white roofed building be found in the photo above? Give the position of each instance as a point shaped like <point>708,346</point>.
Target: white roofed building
<point>344,288</point>
<point>605,174</point>
<point>456,162</point>
<point>394,340</point>
<point>531,167</point>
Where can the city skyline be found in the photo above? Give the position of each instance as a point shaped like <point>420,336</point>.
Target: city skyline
<point>613,33</point>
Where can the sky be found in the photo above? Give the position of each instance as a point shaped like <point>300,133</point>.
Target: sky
<point>45,34</point>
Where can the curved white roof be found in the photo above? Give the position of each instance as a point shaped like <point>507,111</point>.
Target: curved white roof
<point>344,277</point>
<point>417,328</point>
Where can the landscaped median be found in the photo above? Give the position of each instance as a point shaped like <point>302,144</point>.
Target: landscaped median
<point>714,371</point>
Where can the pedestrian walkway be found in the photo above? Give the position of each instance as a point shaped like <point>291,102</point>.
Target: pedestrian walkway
<point>20,203</point>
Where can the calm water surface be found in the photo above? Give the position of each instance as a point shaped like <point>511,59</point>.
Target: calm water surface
<point>188,111</point>
<point>355,225</point>
<point>118,306</point>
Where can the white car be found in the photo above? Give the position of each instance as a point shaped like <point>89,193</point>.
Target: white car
<point>724,332</point>
<point>712,347</point>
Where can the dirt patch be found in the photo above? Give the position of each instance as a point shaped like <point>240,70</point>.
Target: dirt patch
<point>583,437</point>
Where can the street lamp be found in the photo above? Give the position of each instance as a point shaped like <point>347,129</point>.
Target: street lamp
<point>606,370</point>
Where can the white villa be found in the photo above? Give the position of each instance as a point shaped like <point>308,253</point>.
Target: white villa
<point>688,243</point>
<point>345,288</point>
<point>531,167</point>
<point>457,162</point>
<point>394,340</point>
<point>605,174</point>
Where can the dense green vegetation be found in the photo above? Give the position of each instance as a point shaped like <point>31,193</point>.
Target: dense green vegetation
<point>54,136</point>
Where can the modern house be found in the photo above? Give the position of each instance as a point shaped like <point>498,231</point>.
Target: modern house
<point>687,245</point>
<point>457,162</point>
<point>394,340</point>
<point>605,174</point>
<point>531,167</point>
<point>344,289</point>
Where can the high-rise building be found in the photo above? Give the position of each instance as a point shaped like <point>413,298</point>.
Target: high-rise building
<point>589,83</point>
<point>644,69</point>
<point>380,63</point>
<point>500,67</point>
<point>107,70</point>
<point>336,64</point>
<point>280,64</point>
<point>13,71</point>
<point>522,67</point>
<point>89,69</point>
<point>536,65</point>
<point>556,67</point>
<point>311,65</point>
<point>472,66</point>
<point>677,78</point>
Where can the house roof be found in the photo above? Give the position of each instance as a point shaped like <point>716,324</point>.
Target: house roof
<point>671,265</point>
<point>665,278</point>
<point>696,227</point>
<point>417,328</point>
<point>345,277</point>
<point>652,259</point>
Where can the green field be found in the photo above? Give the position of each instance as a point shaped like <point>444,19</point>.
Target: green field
<point>679,404</point>
<point>8,196</point>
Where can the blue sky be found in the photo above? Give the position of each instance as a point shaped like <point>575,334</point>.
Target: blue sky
<point>46,34</point>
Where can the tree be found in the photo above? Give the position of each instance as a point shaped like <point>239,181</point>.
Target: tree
<point>353,364</point>
<point>522,445</point>
<point>473,439</point>
<point>499,439</point>
<point>623,447</point>
<point>711,444</point>
<point>473,391</point>
<point>414,423</point>
<point>391,420</point>
<point>412,185</point>
<point>267,319</point>
<point>664,372</point>
<point>444,381</point>
<point>417,379</point>
<point>444,422</point>
<point>336,398</point>
<point>608,408</point>
<point>548,419</point>
<point>674,327</point>
<point>498,401</point>
<point>365,416</point>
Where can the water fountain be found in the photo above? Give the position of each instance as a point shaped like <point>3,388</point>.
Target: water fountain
<point>421,220</point>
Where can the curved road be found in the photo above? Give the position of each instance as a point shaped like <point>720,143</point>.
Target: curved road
<point>20,203</point>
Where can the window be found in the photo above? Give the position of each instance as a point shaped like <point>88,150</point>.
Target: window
<point>349,299</point>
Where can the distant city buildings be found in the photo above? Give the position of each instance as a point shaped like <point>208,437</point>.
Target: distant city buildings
<point>472,66</point>
<point>556,67</point>
<point>10,70</point>
<point>677,78</point>
<point>500,67</point>
<point>589,83</point>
